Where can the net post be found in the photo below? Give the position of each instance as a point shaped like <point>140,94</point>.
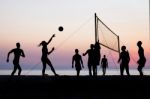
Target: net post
<point>118,45</point>
<point>95,27</point>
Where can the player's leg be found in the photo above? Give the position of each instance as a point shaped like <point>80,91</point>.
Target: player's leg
<point>51,66</point>
<point>140,69</point>
<point>14,70</point>
<point>121,69</point>
<point>78,73</point>
<point>127,70</point>
<point>19,68</point>
<point>44,67</point>
<point>104,72</point>
<point>90,72</point>
<point>94,70</point>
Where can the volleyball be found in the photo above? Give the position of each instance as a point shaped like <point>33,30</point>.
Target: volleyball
<point>60,28</point>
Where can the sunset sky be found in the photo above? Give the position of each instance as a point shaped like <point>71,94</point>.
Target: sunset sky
<point>31,21</point>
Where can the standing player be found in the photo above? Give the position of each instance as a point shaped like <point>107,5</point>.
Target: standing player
<point>142,60</point>
<point>91,60</point>
<point>125,59</point>
<point>17,53</point>
<point>104,64</point>
<point>78,62</point>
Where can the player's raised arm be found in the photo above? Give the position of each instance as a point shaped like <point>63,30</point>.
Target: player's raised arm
<point>50,39</point>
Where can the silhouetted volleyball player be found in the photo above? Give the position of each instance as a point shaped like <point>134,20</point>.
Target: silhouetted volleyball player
<point>78,62</point>
<point>45,54</point>
<point>97,55</point>
<point>125,59</point>
<point>17,53</point>
<point>104,64</point>
<point>91,64</point>
<point>142,60</point>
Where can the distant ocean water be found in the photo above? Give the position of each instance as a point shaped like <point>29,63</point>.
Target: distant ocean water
<point>73,72</point>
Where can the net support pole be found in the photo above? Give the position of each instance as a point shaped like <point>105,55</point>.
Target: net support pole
<point>95,27</point>
<point>118,45</point>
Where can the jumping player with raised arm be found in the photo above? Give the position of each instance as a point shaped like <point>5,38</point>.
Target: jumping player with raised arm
<point>45,54</point>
